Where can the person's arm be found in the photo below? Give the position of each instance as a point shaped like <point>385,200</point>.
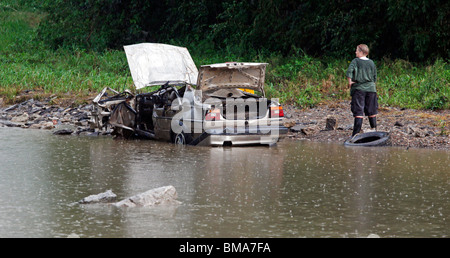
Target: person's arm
<point>349,73</point>
<point>350,82</point>
<point>375,77</point>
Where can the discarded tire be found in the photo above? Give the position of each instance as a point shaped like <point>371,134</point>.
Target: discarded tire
<point>369,139</point>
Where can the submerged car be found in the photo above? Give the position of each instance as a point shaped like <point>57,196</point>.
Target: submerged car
<point>221,104</point>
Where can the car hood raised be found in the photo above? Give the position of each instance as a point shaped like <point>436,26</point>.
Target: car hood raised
<point>157,64</point>
<point>232,75</point>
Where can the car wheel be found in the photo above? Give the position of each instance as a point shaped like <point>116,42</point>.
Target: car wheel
<point>182,138</point>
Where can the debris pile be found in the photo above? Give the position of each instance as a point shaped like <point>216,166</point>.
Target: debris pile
<point>35,114</point>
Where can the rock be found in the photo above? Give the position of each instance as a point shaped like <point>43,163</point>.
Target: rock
<point>417,132</point>
<point>35,117</point>
<point>106,197</point>
<point>11,107</point>
<point>73,235</point>
<point>346,127</point>
<point>157,196</point>
<point>289,124</point>
<point>63,132</point>
<point>331,124</point>
<point>398,123</point>
<point>35,126</point>
<point>48,125</point>
<point>310,130</point>
<point>20,119</point>
<point>35,109</point>
<point>297,128</point>
<point>373,236</point>
<point>9,123</point>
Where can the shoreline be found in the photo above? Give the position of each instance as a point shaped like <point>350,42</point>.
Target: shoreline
<point>407,127</point>
<point>332,122</point>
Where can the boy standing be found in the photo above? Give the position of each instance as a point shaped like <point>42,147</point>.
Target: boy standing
<point>362,75</point>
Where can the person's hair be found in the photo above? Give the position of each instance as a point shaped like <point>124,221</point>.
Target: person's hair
<point>363,48</point>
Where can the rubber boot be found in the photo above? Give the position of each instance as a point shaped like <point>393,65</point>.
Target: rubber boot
<point>357,126</point>
<point>373,122</point>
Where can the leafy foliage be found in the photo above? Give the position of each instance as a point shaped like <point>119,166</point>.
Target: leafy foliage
<point>416,30</point>
<point>308,44</point>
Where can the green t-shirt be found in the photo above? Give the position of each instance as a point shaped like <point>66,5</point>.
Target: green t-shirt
<point>364,73</point>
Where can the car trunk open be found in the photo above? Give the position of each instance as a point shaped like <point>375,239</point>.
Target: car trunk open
<point>234,86</point>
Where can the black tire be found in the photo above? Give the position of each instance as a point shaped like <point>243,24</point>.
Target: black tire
<point>369,139</point>
<point>182,138</point>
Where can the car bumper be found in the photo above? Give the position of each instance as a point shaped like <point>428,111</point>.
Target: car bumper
<point>240,136</point>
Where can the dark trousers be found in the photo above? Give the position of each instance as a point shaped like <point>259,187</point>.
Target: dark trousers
<point>364,103</point>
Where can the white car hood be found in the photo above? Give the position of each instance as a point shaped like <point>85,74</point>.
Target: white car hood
<point>156,64</point>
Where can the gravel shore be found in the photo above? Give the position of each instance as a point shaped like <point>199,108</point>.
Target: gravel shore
<point>326,123</point>
<point>407,127</point>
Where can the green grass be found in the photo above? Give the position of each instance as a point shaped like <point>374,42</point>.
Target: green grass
<point>28,65</point>
<point>308,82</point>
<point>420,87</point>
<point>299,79</point>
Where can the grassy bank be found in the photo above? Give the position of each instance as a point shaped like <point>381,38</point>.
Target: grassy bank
<point>27,65</point>
<point>299,79</point>
<point>308,82</point>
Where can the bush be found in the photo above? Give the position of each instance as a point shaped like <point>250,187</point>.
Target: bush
<point>298,78</point>
<point>399,29</point>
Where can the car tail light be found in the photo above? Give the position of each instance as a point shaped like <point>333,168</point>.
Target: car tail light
<point>276,111</point>
<point>213,115</point>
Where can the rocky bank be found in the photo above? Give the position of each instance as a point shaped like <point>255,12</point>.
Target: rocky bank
<point>334,123</point>
<point>331,122</point>
<point>42,114</point>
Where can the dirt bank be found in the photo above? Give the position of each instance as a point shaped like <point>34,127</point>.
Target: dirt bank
<point>408,128</point>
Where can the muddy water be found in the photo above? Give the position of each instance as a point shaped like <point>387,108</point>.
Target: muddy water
<point>297,189</point>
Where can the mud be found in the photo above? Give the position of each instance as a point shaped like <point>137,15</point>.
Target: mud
<point>407,127</point>
<point>332,122</point>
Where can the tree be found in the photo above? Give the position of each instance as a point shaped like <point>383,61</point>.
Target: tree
<point>413,29</point>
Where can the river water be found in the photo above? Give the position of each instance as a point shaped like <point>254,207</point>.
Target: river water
<point>296,189</point>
